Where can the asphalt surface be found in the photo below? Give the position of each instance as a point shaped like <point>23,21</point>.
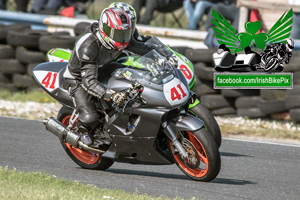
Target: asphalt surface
<point>249,170</point>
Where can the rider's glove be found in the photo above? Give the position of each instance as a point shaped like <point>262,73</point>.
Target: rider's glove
<point>173,60</point>
<point>116,97</point>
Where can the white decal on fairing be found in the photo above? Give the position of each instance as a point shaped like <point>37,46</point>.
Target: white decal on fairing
<point>185,70</point>
<point>175,92</point>
<point>49,80</point>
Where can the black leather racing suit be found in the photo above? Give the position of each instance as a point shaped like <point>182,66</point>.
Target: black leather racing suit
<point>90,59</point>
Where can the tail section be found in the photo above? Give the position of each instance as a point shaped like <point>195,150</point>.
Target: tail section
<point>50,77</point>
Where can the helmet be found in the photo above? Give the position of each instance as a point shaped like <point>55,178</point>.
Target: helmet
<point>115,28</point>
<point>128,9</point>
<point>290,44</point>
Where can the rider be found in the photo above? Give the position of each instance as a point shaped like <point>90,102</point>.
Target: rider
<point>92,57</point>
<point>131,12</point>
<point>137,37</point>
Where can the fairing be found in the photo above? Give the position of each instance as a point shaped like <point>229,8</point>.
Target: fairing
<point>50,77</point>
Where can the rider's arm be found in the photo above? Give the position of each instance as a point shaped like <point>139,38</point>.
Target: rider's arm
<point>141,38</point>
<point>138,47</point>
<point>89,70</point>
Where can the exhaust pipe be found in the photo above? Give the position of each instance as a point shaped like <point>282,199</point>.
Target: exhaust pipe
<point>59,129</point>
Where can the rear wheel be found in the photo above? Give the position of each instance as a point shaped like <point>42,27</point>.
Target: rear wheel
<point>203,162</point>
<point>210,122</point>
<point>84,159</point>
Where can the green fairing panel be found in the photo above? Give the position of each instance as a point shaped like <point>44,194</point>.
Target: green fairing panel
<point>194,104</point>
<point>190,65</point>
<point>60,53</point>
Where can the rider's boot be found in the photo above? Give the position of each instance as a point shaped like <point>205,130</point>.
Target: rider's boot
<point>91,139</point>
<point>86,136</point>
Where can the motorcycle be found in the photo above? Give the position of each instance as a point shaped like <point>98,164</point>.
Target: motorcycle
<point>157,108</point>
<point>183,64</point>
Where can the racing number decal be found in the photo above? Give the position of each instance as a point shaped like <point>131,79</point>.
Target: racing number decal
<point>175,94</point>
<point>186,72</point>
<point>46,81</point>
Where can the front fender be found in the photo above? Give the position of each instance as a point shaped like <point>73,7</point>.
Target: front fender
<point>186,122</point>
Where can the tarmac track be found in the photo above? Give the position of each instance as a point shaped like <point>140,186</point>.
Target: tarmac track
<point>250,170</point>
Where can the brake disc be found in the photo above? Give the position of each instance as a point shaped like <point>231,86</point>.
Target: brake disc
<point>193,159</point>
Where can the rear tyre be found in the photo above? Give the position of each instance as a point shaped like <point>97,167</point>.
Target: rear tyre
<point>84,159</point>
<point>210,122</point>
<point>203,162</point>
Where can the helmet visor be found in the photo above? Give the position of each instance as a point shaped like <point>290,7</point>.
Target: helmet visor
<point>120,36</point>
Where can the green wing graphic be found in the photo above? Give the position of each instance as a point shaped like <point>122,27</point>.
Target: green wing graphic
<point>281,30</point>
<point>224,32</point>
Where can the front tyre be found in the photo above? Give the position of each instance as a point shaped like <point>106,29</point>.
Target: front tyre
<point>84,159</point>
<point>210,122</point>
<point>203,162</point>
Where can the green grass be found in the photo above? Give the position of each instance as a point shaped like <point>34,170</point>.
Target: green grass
<point>15,185</point>
<point>37,96</point>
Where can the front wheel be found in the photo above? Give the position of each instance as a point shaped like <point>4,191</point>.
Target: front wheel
<point>210,122</point>
<point>203,162</point>
<point>84,159</point>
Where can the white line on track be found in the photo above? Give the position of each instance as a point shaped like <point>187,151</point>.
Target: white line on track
<point>261,142</point>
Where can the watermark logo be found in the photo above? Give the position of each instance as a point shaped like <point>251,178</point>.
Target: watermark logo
<point>263,56</point>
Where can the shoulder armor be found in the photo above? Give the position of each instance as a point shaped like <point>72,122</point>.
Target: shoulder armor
<point>87,48</point>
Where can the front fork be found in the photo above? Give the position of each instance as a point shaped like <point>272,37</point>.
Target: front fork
<point>185,122</point>
<point>172,136</point>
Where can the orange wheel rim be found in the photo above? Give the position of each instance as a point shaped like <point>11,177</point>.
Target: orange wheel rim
<point>203,167</point>
<point>86,157</point>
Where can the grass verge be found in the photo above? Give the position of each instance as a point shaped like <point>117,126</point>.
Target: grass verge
<point>36,96</point>
<point>36,185</point>
<point>261,131</point>
<point>259,128</point>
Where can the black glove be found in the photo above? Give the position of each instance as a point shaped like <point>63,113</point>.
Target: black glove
<point>143,38</point>
<point>116,97</point>
<point>173,60</point>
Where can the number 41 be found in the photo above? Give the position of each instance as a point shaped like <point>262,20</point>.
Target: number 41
<point>175,94</point>
<point>47,79</point>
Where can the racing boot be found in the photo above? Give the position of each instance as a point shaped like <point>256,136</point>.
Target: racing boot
<point>86,136</point>
<point>91,139</point>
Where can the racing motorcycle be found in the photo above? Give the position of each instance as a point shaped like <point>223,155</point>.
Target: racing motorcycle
<point>183,64</point>
<point>275,54</point>
<point>156,104</point>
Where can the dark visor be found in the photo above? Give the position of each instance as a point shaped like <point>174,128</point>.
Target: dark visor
<point>120,36</point>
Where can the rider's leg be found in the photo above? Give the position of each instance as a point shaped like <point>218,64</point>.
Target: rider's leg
<point>84,103</point>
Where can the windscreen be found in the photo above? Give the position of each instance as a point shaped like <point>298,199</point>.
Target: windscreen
<point>160,47</point>
<point>158,66</point>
